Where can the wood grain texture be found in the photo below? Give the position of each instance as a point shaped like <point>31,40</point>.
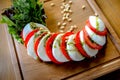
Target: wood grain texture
<point>98,71</point>
<point>107,60</point>
<point>111,9</point>
<point>6,67</point>
<point>9,69</point>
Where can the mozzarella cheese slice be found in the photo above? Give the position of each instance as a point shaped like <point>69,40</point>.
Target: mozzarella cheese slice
<point>30,48</point>
<point>91,52</point>
<point>27,29</point>
<point>72,50</point>
<point>41,49</point>
<point>101,40</point>
<point>94,20</point>
<point>57,53</point>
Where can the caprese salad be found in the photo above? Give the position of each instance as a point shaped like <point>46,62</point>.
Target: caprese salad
<point>63,47</point>
<point>53,47</point>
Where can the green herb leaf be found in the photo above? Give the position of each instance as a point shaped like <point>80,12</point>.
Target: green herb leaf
<point>5,19</point>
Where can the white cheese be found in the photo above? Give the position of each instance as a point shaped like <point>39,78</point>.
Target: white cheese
<point>41,49</point>
<point>30,48</point>
<point>94,20</point>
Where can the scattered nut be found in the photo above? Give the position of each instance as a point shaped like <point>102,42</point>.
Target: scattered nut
<point>70,11</point>
<point>70,2</point>
<point>52,4</point>
<point>83,6</point>
<point>62,7</point>
<point>67,6</point>
<point>58,23</point>
<point>69,19</point>
<point>64,10</point>
<point>72,28</point>
<point>64,15</point>
<point>96,14</point>
<point>62,27</point>
<point>67,14</point>
<point>64,18</point>
<point>63,0</point>
<point>64,24</point>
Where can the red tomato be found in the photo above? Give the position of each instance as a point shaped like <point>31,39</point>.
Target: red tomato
<point>78,45</point>
<point>90,43</point>
<point>29,36</point>
<point>101,33</point>
<point>48,48</point>
<point>63,44</point>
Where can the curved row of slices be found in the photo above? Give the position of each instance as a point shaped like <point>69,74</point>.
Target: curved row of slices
<point>64,47</point>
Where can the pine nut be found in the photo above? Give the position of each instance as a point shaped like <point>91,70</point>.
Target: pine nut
<point>70,2</point>
<point>58,23</point>
<point>52,4</point>
<point>83,6</point>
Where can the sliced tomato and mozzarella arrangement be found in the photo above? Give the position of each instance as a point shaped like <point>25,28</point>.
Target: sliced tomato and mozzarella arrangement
<point>64,47</point>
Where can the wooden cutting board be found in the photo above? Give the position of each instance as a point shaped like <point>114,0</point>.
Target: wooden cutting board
<point>107,60</point>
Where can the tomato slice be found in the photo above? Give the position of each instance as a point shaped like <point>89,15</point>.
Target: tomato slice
<point>78,45</point>
<point>63,44</point>
<point>29,36</point>
<point>102,33</point>
<point>48,48</point>
<point>90,43</point>
<point>37,40</point>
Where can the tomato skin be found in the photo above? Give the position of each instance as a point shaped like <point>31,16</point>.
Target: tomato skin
<point>89,42</point>
<point>78,45</point>
<point>29,36</point>
<point>101,33</point>
<point>36,45</point>
<point>63,45</point>
<point>48,48</point>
